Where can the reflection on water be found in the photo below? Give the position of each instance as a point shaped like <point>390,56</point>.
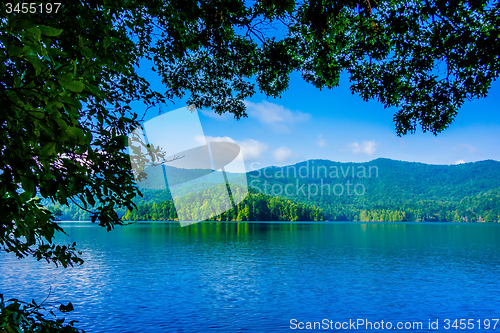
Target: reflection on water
<point>231,277</point>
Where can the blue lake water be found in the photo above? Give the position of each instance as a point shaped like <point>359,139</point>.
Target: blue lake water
<point>257,277</point>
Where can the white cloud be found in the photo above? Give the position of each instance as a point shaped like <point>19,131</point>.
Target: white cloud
<point>366,147</point>
<point>216,116</point>
<point>274,115</point>
<point>459,162</point>
<point>282,153</point>
<point>320,141</point>
<point>250,148</point>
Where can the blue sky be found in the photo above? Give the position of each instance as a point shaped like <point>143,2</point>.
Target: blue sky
<point>306,123</point>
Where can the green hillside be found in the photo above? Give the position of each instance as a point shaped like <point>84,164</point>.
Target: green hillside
<point>388,190</point>
<point>255,207</point>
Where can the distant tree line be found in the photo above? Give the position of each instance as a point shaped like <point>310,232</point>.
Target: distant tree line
<point>484,207</point>
<point>255,207</point>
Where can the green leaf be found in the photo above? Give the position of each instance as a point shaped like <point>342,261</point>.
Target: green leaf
<point>49,31</point>
<point>38,113</point>
<point>62,124</point>
<point>90,198</point>
<point>24,24</point>
<point>77,133</point>
<point>28,186</point>
<point>74,86</point>
<point>70,101</point>
<point>49,149</point>
<point>35,62</point>
<point>36,32</point>
<point>66,308</point>
<point>122,140</point>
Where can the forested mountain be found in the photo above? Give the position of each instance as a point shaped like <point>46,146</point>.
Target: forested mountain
<point>388,190</point>
<point>379,190</point>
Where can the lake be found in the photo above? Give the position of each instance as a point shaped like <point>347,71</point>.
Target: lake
<point>266,277</point>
